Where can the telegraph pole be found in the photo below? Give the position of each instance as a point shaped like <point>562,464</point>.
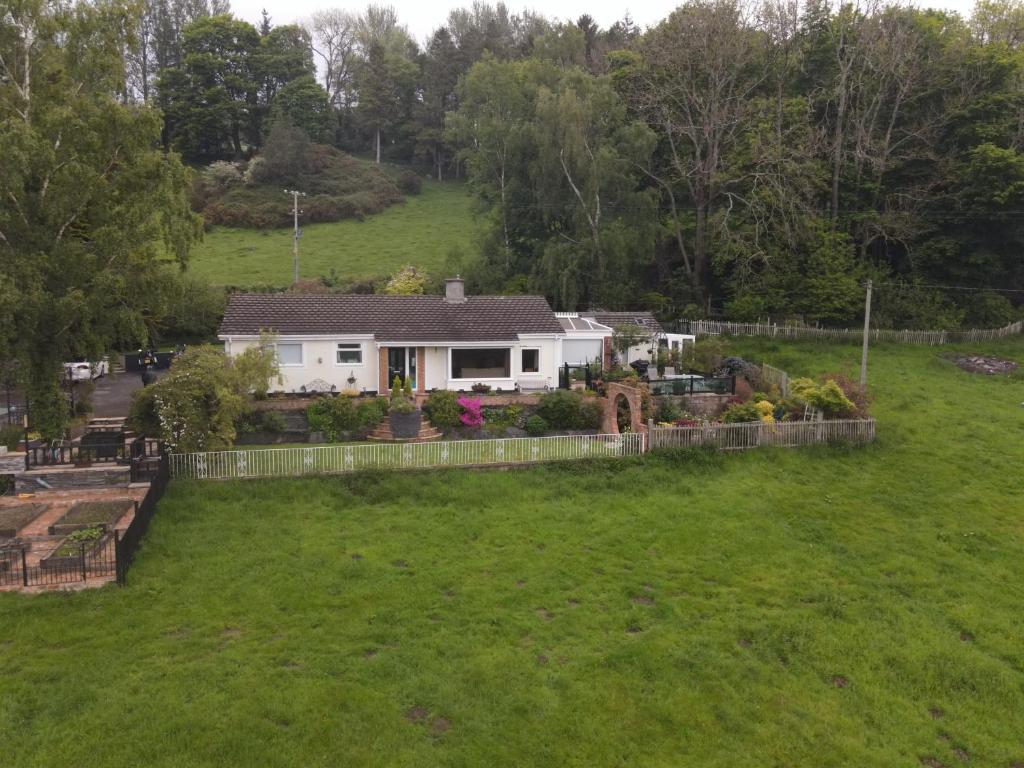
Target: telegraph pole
<point>867,330</point>
<point>298,232</point>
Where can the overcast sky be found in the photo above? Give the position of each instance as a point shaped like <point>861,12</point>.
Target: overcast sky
<point>423,17</point>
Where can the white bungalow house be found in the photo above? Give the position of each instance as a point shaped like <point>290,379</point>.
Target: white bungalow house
<point>331,342</point>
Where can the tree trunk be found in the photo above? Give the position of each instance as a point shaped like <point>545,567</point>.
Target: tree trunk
<point>377,143</point>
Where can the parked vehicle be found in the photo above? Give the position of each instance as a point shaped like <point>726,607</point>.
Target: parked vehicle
<point>83,370</point>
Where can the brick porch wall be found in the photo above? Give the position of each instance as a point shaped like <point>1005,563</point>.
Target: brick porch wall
<point>606,363</point>
<point>383,385</point>
<point>421,369</point>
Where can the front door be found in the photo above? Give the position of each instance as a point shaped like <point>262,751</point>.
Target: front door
<point>402,363</point>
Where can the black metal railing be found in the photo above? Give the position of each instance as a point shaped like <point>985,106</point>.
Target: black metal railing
<point>127,542</point>
<point>76,454</point>
<point>60,564</point>
<point>569,373</point>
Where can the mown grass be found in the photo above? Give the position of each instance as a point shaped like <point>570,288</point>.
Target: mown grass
<point>421,231</point>
<point>823,607</point>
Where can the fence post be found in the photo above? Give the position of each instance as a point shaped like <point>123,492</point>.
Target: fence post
<point>647,445</point>
<point>84,576</point>
<point>24,567</point>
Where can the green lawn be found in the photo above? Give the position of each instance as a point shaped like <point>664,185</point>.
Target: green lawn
<point>421,231</point>
<point>824,607</point>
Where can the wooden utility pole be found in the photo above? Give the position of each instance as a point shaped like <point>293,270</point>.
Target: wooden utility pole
<point>867,331</point>
<point>298,232</point>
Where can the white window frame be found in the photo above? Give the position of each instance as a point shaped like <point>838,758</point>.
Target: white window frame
<point>522,369</point>
<point>350,345</point>
<point>302,354</point>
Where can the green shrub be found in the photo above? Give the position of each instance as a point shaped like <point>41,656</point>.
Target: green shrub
<point>332,416</point>
<point>828,397</point>
<point>668,412</point>
<point>442,408</point>
<point>831,400</point>
<point>741,412</point>
<point>10,436</point>
<point>536,426</point>
<point>509,416</point>
<point>564,409</point>
<point>410,182</point>
<point>370,413</point>
<point>273,421</point>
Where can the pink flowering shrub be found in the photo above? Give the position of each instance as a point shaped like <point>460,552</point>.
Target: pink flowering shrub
<point>472,413</point>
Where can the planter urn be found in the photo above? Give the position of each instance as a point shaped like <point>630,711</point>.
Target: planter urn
<point>405,425</point>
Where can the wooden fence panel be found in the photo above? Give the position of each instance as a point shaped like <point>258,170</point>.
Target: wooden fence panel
<point>795,332</point>
<point>782,434</point>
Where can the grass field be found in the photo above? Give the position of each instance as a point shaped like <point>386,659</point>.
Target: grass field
<point>826,607</point>
<point>421,231</point>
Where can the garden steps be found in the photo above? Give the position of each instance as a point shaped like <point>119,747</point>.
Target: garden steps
<point>382,433</point>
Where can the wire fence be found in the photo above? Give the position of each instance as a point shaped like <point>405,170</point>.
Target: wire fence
<point>775,377</point>
<point>291,462</point>
<point>796,332</point>
<point>783,434</point>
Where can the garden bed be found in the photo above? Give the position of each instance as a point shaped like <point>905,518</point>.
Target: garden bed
<point>13,519</point>
<point>72,551</point>
<point>990,366</point>
<point>91,514</point>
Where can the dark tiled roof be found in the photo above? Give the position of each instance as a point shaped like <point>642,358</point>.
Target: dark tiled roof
<point>389,318</point>
<point>613,319</point>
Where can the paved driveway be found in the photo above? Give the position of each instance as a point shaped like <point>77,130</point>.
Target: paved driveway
<point>113,394</point>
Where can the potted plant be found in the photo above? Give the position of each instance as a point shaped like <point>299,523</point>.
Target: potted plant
<point>403,415</point>
<point>480,388</point>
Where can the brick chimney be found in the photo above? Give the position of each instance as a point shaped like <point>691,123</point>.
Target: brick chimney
<point>455,290</point>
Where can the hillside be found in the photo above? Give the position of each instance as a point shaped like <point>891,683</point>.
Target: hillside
<point>421,231</point>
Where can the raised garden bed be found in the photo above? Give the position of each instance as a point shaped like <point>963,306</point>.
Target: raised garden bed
<point>13,519</point>
<point>72,550</point>
<point>91,514</point>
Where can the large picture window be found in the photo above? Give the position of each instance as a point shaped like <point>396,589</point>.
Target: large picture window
<point>289,354</point>
<point>531,361</point>
<point>350,354</point>
<point>481,363</point>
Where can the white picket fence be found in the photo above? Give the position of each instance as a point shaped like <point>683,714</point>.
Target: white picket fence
<point>291,462</point>
<point>774,330</point>
<point>783,434</point>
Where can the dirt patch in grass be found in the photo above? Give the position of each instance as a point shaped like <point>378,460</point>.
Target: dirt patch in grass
<point>230,633</point>
<point>840,681</point>
<point>416,714</point>
<point>966,637</point>
<point>13,519</point>
<point>542,659</point>
<point>990,366</point>
<point>642,600</point>
<point>932,762</point>
<point>545,614</point>
<point>400,564</point>
<point>961,755</point>
<point>440,725</point>
<point>936,713</point>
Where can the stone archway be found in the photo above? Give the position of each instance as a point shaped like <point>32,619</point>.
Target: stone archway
<point>615,396</point>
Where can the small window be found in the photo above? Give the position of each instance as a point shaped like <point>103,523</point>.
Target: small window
<point>350,354</point>
<point>531,361</point>
<point>289,354</point>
